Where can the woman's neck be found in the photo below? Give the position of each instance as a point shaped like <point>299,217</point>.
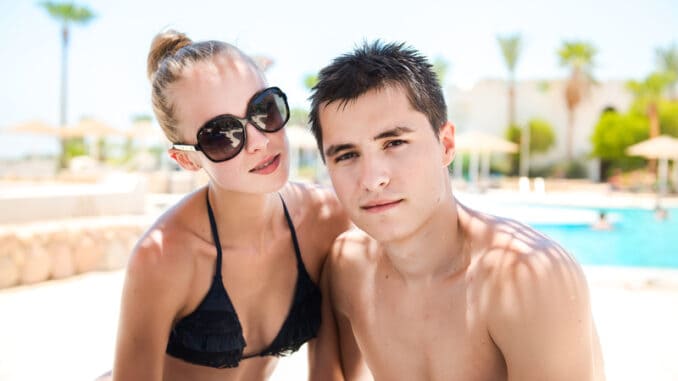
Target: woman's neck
<point>243,218</point>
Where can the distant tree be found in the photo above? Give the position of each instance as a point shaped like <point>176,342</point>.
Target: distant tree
<point>543,86</point>
<point>668,118</point>
<point>613,134</point>
<point>542,139</point>
<point>66,14</point>
<point>667,61</point>
<point>298,117</point>
<point>139,118</point>
<point>310,80</point>
<point>542,136</point>
<point>648,94</point>
<point>510,49</point>
<point>578,57</point>
<point>441,66</point>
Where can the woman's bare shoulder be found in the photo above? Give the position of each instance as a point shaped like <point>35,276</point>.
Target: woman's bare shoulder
<point>164,253</point>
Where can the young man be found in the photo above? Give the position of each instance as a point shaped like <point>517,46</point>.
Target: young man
<point>431,289</point>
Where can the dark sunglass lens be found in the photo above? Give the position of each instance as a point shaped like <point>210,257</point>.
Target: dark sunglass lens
<point>222,138</point>
<point>269,111</point>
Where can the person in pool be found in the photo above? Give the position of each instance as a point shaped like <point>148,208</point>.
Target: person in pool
<point>225,281</point>
<point>602,223</point>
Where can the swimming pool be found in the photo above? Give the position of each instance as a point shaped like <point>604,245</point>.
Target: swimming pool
<point>637,239</point>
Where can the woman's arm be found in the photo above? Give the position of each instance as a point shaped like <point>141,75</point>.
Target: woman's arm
<point>154,291</point>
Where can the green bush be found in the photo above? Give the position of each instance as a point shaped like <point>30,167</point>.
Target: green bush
<point>668,118</point>
<point>542,138</point>
<point>613,134</point>
<point>576,170</point>
<point>73,147</point>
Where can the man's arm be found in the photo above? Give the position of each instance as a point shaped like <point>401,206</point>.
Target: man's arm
<point>347,267</point>
<point>336,353</point>
<point>352,362</point>
<point>541,318</point>
<point>323,352</point>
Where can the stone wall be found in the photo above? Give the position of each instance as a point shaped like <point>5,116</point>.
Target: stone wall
<point>35,252</point>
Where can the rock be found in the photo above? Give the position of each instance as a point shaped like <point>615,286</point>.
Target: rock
<point>88,255</point>
<point>9,272</point>
<point>37,263</point>
<point>62,260</point>
<point>117,252</point>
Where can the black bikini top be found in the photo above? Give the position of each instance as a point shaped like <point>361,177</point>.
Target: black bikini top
<point>212,335</point>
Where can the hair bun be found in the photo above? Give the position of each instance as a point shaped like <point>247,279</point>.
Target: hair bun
<point>165,44</point>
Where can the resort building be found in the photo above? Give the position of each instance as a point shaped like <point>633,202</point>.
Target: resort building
<point>484,107</point>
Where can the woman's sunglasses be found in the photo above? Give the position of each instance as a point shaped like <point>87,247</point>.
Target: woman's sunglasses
<point>223,137</point>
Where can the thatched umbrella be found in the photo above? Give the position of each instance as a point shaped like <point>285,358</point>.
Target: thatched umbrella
<point>34,127</point>
<point>481,144</point>
<point>663,148</point>
<point>90,127</point>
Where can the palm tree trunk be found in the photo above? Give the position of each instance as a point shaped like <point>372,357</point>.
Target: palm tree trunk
<point>569,140</point>
<point>525,151</point>
<point>653,116</point>
<point>511,102</point>
<point>63,118</point>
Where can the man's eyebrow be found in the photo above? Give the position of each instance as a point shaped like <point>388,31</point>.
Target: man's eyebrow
<point>334,149</point>
<point>393,133</point>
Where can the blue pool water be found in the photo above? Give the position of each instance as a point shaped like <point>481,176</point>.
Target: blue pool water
<point>637,239</point>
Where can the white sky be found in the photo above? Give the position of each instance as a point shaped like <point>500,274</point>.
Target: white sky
<point>108,56</point>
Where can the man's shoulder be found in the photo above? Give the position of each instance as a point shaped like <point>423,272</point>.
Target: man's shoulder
<point>517,253</point>
<point>313,203</point>
<point>523,264</point>
<point>353,249</point>
<point>351,261</point>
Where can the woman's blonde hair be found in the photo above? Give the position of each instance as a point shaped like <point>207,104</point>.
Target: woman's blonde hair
<point>172,52</point>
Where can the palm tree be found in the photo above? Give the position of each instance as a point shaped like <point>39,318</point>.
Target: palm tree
<point>667,60</point>
<point>648,94</point>
<point>578,56</point>
<point>66,14</point>
<point>510,50</point>
<point>441,66</point>
<point>310,80</point>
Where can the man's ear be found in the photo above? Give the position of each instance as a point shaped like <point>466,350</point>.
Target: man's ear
<point>183,159</point>
<point>446,137</point>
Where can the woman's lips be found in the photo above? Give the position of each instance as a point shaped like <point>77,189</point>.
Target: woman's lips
<point>267,166</point>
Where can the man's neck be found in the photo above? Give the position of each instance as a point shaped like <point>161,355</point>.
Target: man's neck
<point>434,251</point>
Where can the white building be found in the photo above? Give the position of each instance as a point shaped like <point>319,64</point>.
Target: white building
<point>485,108</point>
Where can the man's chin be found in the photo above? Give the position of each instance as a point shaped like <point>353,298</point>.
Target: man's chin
<point>380,233</point>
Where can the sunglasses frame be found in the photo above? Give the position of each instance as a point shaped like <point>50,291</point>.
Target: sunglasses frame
<point>243,124</point>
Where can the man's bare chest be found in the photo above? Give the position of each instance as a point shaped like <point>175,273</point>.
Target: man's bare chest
<point>429,334</point>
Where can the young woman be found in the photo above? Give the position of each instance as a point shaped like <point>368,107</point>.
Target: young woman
<point>226,280</point>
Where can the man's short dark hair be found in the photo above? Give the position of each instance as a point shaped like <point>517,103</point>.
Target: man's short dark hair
<point>375,66</point>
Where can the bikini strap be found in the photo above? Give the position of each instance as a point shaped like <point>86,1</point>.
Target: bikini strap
<point>297,252</point>
<point>215,236</point>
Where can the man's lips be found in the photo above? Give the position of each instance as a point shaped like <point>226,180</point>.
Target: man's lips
<point>265,163</point>
<point>380,205</point>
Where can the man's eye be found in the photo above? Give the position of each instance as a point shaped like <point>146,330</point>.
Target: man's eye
<point>345,156</point>
<point>394,143</point>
